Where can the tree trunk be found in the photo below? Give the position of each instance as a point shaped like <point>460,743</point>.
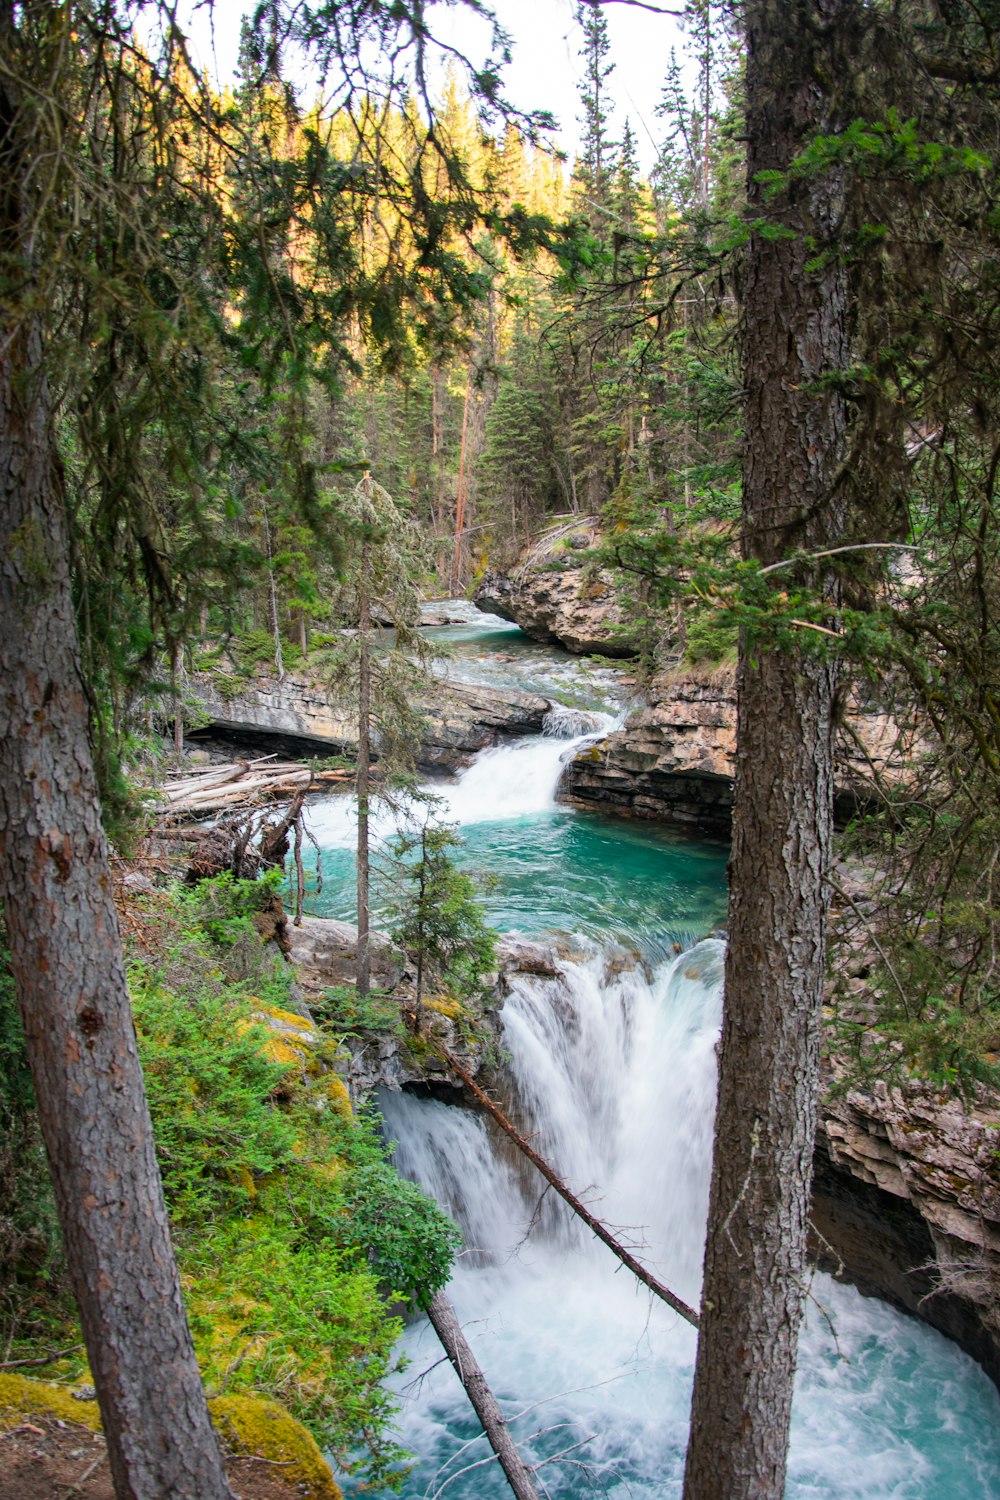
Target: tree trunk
<point>795,334</point>
<point>363,970</point>
<point>460,490</point>
<point>69,974</point>
<point>456,1346</point>
<point>177,687</point>
<point>272,600</point>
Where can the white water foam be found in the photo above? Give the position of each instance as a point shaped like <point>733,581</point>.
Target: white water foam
<point>615,1071</point>
<point>508,782</point>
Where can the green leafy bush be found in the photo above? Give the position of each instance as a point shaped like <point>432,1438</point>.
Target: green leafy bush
<point>294,1234</point>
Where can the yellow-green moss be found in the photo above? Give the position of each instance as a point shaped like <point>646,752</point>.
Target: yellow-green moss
<point>446,1006</point>
<point>249,1425</point>
<point>336,1091</point>
<point>22,1397</point>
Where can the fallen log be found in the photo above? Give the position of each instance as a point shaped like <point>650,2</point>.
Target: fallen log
<point>448,1329</point>
<point>240,785</point>
<point>595,1225</point>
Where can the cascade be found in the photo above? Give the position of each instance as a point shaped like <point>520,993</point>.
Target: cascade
<point>612,1074</point>
<point>614,1068</point>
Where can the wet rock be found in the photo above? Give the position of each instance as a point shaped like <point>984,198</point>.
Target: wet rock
<point>519,955</point>
<point>433,619</point>
<point>462,719</point>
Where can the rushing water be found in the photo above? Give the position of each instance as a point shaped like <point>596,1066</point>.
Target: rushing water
<point>613,1067</point>
<point>616,1073</point>
<point>483,648</point>
<point>552,869</point>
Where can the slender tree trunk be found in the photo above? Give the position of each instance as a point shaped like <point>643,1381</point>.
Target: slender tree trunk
<point>272,601</point>
<point>363,970</point>
<point>460,489</point>
<point>177,686</point>
<point>795,334</point>
<point>596,1226</point>
<point>449,1330</point>
<point>67,963</point>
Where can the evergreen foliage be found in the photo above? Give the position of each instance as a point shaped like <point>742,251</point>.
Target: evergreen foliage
<point>437,918</point>
<point>293,1231</point>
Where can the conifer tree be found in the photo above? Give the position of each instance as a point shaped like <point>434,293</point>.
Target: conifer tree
<point>376,680</point>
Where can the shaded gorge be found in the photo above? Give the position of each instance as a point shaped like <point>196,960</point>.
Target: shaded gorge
<point>611,1072</point>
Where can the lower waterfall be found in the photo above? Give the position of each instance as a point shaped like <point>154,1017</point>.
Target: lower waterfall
<point>612,1075</point>
<point>613,1072</point>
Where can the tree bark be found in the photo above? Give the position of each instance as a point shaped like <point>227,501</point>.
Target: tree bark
<point>68,969</point>
<point>795,334</point>
<point>456,1346</point>
<point>363,970</point>
<point>62,926</point>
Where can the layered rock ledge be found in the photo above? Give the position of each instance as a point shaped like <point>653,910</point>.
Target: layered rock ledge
<point>296,716</point>
<point>906,1196</point>
<point>675,758</point>
<point>325,953</point>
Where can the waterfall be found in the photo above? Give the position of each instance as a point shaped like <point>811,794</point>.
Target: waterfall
<point>508,782</point>
<point>612,1073</point>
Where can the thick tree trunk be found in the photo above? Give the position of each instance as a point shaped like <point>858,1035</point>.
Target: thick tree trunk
<point>67,963</point>
<point>363,970</point>
<point>795,334</point>
<point>62,926</point>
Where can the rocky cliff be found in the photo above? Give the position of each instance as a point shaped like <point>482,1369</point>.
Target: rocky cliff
<point>558,595</point>
<point>674,758</point>
<point>906,1197</point>
<point>297,716</point>
<point>324,953</point>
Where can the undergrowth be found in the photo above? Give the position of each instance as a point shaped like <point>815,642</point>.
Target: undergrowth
<point>294,1234</point>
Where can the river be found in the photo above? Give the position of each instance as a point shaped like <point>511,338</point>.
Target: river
<point>613,1065</point>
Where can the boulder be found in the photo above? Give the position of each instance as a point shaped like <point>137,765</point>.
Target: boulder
<point>324,953</point>
<point>557,595</point>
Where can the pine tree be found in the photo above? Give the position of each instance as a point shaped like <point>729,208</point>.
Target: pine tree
<point>595,163</point>
<point>374,679</point>
<point>439,920</point>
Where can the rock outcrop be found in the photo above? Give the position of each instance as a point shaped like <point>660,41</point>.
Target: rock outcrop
<point>556,596</point>
<point>674,759</point>
<point>296,716</point>
<point>907,1197</point>
<point>324,953</point>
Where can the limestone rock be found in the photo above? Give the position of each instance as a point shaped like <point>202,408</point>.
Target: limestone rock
<point>555,595</point>
<point>907,1195</point>
<point>296,714</point>
<point>324,953</point>
<point>674,760</point>
<point>462,719</point>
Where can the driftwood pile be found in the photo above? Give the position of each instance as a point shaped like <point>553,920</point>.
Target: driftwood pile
<point>242,783</point>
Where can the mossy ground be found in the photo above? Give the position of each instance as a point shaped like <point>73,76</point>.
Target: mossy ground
<point>250,1427</point>
<point>295,1237</point>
